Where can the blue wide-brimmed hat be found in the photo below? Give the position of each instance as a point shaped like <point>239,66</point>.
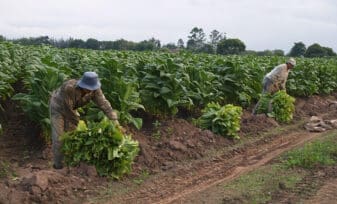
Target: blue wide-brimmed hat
<point>89,81</point>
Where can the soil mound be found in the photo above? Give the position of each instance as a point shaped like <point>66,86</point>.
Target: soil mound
<point>26,174</point>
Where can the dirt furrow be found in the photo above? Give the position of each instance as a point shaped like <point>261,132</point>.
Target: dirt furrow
<point>186,181</point>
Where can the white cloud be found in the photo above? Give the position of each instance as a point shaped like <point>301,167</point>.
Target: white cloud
<point>260,24</point>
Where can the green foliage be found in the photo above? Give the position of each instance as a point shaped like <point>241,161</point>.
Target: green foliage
<point>280,105</point>
<point>121,90</point>
<point>35,103</point>
<point>202,85</point>
<point>10,68</point>
<point>6,170</point>
<point>151,44</point>
<point>92,44</point>
<point>298,50</point>
<point>223,120</point>
<point>2,38</point>
<point>196,39</point>
<point>155,82</point>
<point>230,47</point>
<point>316,153</point>
<point>143,176</point>
<point>238,79</point>
<point>283,106</point>
<point>316,50</point>
<point>265,103</point>
<point>100,144</point>
<point>215,37</point>
<point>162,87</point>
<point>156,131</point>
<point>304,79</point>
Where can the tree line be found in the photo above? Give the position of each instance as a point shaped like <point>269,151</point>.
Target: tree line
<point>216,43</point>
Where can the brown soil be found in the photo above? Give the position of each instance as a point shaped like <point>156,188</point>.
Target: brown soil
<point>327,193</point>
<point>319,186</point>
<point>182,159</point>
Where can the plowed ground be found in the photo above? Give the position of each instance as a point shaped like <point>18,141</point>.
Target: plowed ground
<point>178,162</point>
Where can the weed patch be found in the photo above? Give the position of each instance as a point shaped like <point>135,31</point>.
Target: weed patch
<point>312,154</point>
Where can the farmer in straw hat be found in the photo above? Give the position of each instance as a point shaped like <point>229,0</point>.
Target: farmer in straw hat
<point>276,79</point>
<point>64,102</point>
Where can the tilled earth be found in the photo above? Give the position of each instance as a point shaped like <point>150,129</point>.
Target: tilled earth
<point>177,160</point>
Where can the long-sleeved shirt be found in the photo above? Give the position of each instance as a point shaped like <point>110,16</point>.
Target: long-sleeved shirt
<point>68,98</point>
<point>278,76</point>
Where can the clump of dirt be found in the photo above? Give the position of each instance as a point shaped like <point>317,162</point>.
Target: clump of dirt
<point>172,141</point>
<point>255,124</point>
<point>311,106</point>
<point>41,184</point>
<point>175,140</point>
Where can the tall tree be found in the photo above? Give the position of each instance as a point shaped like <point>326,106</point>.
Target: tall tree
<point>196,39</point>
<point>122,44</point>
<point>151,44</point>
<point>206,48</point>
<point>215,37</point>
<point>76,43</point>
<point>155,42</point>
<point>170,46</point>
<point>278,52</point>
<point>230,46</point>
<point>297,50</point>
<point>181,43</point>
<point>92,43</point>
<point>329,51</point>
<point>316,50</point>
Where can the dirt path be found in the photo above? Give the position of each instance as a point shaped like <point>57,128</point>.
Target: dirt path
<point>188,181</point>
<point>326,195</point>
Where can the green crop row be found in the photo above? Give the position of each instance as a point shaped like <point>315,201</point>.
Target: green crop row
<point>158,83</point>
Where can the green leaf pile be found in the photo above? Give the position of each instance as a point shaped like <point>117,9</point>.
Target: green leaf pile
<point>223,120</point>
<point>283,106</point>
<point>100,144</point>
<point>280,105</point>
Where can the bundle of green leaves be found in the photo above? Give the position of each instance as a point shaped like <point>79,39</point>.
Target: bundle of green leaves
<point>101,144</point>
<point>279,105</point>
<point>223,120</point>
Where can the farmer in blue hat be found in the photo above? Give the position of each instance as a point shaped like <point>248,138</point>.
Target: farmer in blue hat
<point>64,102</point>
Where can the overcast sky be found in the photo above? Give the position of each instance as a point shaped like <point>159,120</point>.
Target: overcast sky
<point>260,24</point>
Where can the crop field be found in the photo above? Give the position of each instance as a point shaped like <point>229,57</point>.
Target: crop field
<point>188,122</point>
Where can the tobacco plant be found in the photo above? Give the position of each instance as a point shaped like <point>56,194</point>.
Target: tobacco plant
<point>101,144</point>
<point>223,120</point>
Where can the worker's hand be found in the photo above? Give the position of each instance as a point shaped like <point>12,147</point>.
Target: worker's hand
<point>114,115</point>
